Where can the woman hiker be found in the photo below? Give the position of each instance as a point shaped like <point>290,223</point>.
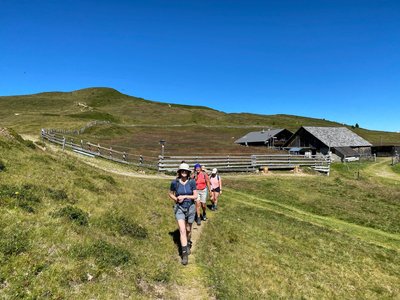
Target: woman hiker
<point>216,188</point>
<point>202,185</point>
<point>183,192</point>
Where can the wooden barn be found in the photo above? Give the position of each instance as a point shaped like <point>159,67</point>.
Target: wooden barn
<point>339,140</point>
<point>385,150</point>
<point>269,138</point>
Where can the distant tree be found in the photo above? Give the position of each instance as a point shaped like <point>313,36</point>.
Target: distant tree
<point>357,126</point>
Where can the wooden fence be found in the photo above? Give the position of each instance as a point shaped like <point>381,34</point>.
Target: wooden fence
<point>96,150</point>
<point>249,163</point>
<point>237,163</point>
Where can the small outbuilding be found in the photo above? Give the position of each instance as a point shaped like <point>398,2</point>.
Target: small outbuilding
<point>269,137</point>
<point>339,140</point>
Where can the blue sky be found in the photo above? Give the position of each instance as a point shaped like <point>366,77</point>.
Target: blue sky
<point>332,59</point>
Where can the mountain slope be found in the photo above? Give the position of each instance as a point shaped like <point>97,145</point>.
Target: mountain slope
<point>71,110</point>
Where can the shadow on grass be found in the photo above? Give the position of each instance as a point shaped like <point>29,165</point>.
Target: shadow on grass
<point>176,237</point>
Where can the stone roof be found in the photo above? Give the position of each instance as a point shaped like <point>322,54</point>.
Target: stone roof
<point>258,136</point>
<point>337,136</point>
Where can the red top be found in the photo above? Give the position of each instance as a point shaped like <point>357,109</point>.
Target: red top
<point>201,180</point>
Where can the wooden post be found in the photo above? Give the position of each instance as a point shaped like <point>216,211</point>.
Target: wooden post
<point>63,146</point>
<point>124,156</point>
<point>98,148</point>
<point>265,170</point>
<point>140,159</point>
<point>110,151</point>
<point>296,169</point>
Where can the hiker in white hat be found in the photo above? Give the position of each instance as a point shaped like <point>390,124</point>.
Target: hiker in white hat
<point>216,188</point>
<point>183,192</point>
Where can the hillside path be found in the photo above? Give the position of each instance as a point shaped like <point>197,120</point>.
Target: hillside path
<point>192,281</point>
<point>382,169</point>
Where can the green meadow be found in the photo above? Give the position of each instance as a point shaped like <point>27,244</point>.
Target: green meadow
<point>74,227</point>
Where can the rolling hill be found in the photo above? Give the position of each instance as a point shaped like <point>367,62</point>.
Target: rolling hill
<point>72,110</point>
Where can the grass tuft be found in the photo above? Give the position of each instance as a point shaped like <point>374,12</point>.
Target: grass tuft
<point>59,195</point>
<point>13,240</point>
<point>74,214</point>
<point>24,196</point>
<point>2,166</point>
<point>105,254</point>
<point>123,225</point>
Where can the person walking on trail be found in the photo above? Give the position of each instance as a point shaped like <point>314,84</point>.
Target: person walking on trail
<point>202,185</point>
<point>216,188</point>
<point>183,192</point>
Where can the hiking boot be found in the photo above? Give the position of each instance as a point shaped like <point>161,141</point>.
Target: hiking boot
<point>185,254</point>
<point>213,207</point>
<point>203,217</point>
<point>185,258</point>
<point>198,221</point>
<point>189,247</point>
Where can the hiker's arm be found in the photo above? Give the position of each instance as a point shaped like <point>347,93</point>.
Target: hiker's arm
<point>208,184</point>
<point>171,194</point>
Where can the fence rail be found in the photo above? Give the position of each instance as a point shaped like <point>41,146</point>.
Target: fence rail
<point>249,163</point>
<point>234,163</point>
<point>96,150</point>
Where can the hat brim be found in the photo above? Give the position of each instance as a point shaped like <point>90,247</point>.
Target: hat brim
<point>185,170</point>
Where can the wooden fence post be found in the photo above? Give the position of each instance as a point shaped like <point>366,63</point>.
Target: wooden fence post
<point>124,156</point>
<point>63,146</point>
<point>140,159</point>
<point>98,148</point>
<point>110,151</point>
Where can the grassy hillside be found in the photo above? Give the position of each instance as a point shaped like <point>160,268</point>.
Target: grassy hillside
<point>72,231</point>
<point>28,114</point>
<point>306,237</point>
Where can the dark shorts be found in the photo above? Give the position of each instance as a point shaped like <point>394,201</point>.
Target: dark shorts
<point>218,190</point>
<point>185,212</point>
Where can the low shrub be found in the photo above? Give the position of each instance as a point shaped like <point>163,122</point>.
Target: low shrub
<point>29,144</point>
<point>59,195</point>
<point>108,178</point>
<point>74,214</point>
<point>24,197</point>
<point>2,166</point>
<point>104,253</point>
<point>86,184</point>
<point>124,226</point>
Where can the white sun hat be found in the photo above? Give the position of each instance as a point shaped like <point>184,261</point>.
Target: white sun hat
<point>214,171</point>
<point>184,166</point>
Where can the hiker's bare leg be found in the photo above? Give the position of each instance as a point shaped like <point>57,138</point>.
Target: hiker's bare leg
<point>203,206</point>
<point>198,208</point>
<point>189,231</point>
<point>216,195</point>
<point>182,232</point>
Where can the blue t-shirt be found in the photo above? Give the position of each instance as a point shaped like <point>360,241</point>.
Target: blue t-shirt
<point>183,189</point>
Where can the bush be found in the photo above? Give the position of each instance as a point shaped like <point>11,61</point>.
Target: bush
<point>105,254</point>
<point>2,166</point>
<point>29,144</point>
<point>23,197</point>
<point>74,214</point>
<point>124,226</point>
<point>86,184</point>
<point>59,195</point>
<point>108,178</point>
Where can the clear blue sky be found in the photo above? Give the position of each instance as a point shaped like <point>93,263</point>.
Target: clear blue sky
<point>332,59</point>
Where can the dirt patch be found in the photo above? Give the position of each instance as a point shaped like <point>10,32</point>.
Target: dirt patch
<point>4,132</point>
